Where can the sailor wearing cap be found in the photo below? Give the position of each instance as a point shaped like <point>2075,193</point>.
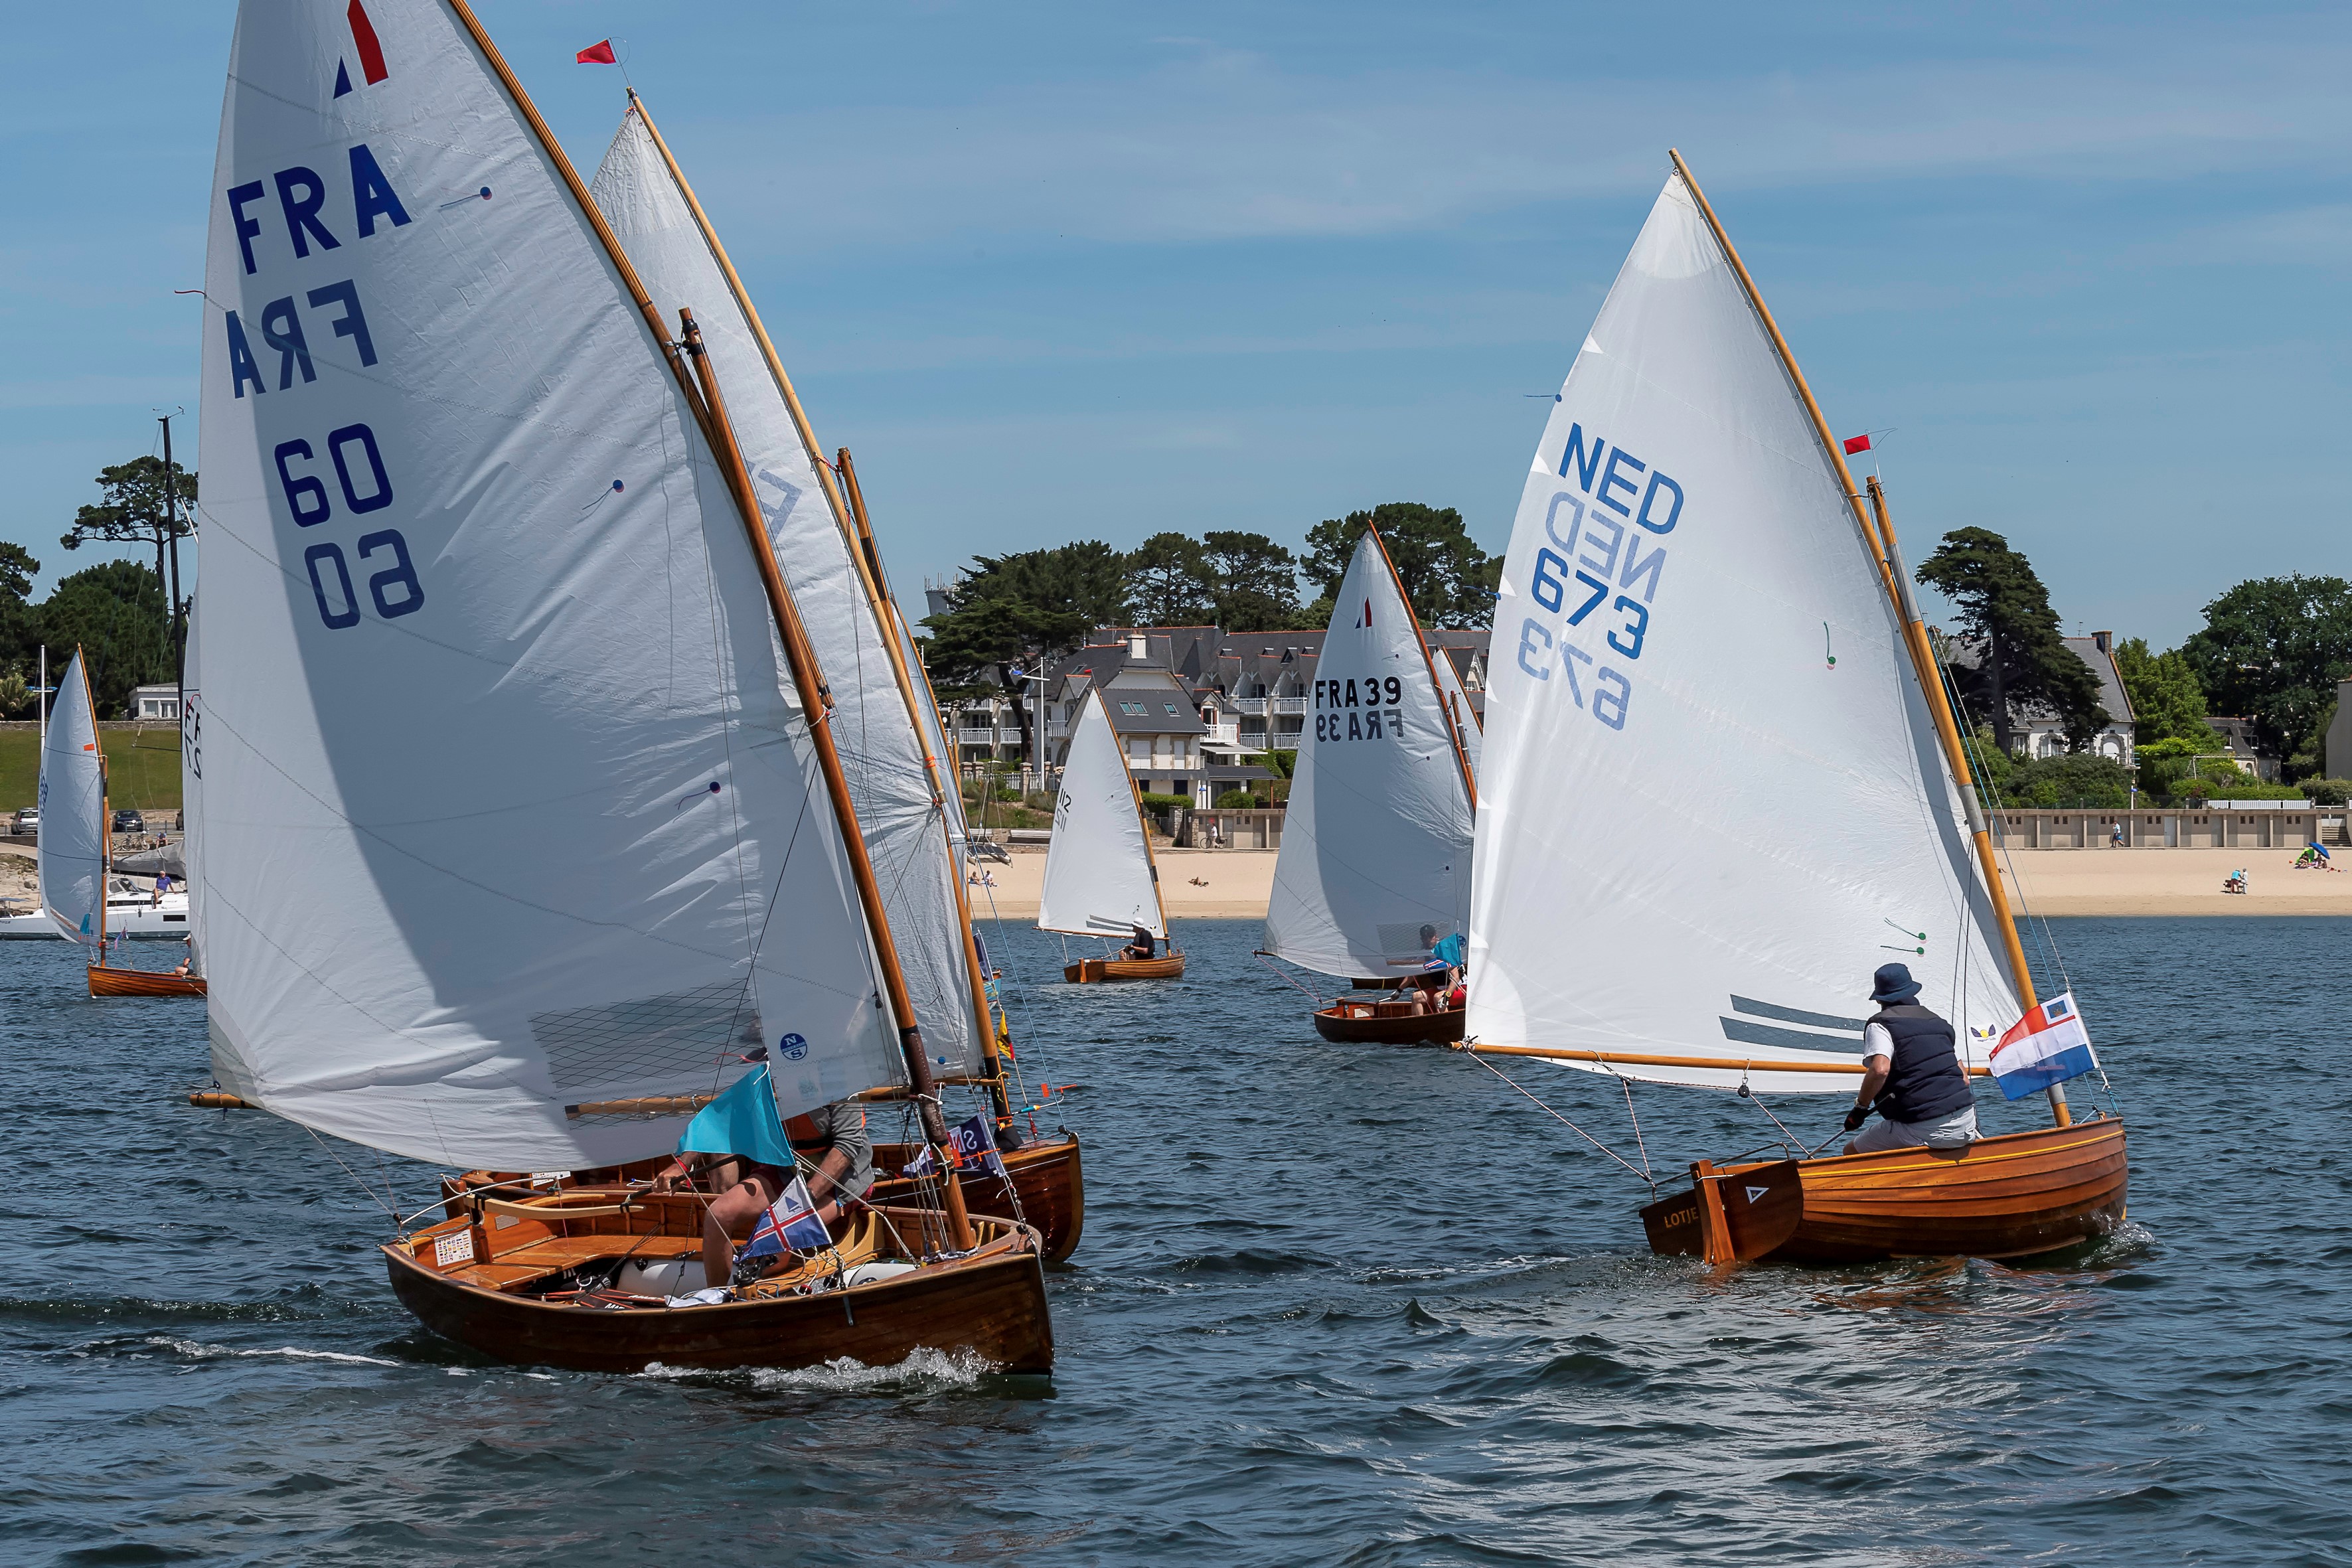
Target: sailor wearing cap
<point>1912,1075</point>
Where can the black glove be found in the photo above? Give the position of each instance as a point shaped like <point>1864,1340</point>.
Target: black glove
<point>1856,1117</point>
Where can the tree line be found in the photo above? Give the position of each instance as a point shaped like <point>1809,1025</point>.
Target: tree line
<point>2271,651</point>
<point>1017,612</point>
<point>117,612</point>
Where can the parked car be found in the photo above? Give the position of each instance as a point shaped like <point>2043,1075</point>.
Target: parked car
<point>128,821</point>
<point>26,823</point>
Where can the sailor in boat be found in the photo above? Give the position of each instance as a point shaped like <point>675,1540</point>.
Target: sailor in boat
<point>1912,1075</point>
<point>1140,946</point>
<point>829,1141</point>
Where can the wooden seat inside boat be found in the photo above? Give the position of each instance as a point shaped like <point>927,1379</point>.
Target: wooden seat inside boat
<point>546,1244</point>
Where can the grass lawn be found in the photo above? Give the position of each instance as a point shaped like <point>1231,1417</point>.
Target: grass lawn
<point>142,767</point>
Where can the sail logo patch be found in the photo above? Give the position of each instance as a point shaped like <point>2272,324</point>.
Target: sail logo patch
<point>792,1046</point>
<point>367,46</point>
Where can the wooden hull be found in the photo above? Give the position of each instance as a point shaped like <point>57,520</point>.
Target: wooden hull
<point>105,980</point>
<point>1097,971</point>
<point>1339,1025</point>
<point>2010,1196</point>
<point>1047,1179</point>
<point>992,1305</point>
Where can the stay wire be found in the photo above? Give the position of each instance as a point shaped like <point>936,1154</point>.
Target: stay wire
<point>1642,1176</point>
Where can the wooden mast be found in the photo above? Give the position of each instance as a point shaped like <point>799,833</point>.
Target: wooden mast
<point>818,701</point>
<point>1931,685</point>
<point>864,563</point>
<point>1136,791</point>
<point>1429,662</point>
<point>1948,729</point>
<point>815,698</point>
<point>885,607</point>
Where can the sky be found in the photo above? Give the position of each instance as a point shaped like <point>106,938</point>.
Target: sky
<point>1064,271</point>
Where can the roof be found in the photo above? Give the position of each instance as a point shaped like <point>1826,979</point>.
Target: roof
<point>2111,695</point>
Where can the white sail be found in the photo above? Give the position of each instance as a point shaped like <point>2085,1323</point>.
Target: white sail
<point>1698,836</point>
<point>1099,880</point>
<point>1375,862</point>
<point>1457,701</point>
<point>70,852</point>
<point>507,816</point>
<point>904,816</point>
<point>191,783</point>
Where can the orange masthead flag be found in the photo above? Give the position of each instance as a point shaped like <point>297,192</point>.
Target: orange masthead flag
<point>598,54</point>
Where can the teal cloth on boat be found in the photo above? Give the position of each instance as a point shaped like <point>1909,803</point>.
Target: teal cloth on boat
<point>742,1122</point>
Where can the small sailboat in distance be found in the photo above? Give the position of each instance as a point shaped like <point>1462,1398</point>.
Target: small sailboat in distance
<point>524,826</point>
<point>1696,837</point>
<point>1375,865</point>
<point>1100,877</point>
<point>82,896</point>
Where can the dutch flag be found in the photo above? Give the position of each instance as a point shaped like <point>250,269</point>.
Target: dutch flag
<point>2046,1046</point>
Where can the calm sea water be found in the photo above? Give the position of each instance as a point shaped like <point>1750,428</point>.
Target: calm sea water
<point>1334,1305</point>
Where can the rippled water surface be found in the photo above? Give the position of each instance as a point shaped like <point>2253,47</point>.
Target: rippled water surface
<point>1334,1305</point>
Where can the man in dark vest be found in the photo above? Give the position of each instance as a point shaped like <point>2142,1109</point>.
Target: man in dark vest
<point>1912,1075</point>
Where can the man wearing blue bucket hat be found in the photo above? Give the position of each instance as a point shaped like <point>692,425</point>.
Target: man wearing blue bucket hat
<point>1912,1075</point>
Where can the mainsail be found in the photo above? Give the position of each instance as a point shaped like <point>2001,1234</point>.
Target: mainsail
<point>70,853</point>
<point>1099,880</point>
<point>902,804</point>
<point>1698,836</point>
<point>1375,862</point>
<point>508,820</point>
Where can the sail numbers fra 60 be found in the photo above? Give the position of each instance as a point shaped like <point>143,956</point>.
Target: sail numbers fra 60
<point>1591,556</point>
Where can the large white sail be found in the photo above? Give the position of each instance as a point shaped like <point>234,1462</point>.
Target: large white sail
<point>1099,880</point>
<point>904,817</point>
<point>1375,862</point>
<point>507,815</point>
<point>70,852</point>
<point>1715,801</point>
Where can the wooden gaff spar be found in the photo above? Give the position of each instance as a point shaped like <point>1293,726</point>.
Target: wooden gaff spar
<point>1697,835</point>
<point>617,849</point>
<point>1375,863</point>
<point>1100,878</point>
<point>819,536</point>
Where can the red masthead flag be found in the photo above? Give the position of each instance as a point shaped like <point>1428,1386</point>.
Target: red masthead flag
<point>1853,443</point>
<point>598,54</point>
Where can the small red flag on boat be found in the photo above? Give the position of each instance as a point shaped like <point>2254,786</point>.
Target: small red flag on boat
<point>1853,443</point>
<point>598,54</point>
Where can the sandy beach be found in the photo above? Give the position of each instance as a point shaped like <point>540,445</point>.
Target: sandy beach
<point>1226,884</point>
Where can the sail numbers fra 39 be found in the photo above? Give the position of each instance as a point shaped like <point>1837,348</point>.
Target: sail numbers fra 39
<point>1366,709</point>
<point>1596,575</point>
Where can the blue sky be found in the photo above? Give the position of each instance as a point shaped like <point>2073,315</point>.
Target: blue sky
<point>1092,271</point>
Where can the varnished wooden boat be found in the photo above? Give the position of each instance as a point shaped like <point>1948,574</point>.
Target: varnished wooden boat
<point>506,1280</point>
<point>1362,1021</point>
<point>1048,1181</point>
<point>1048,1189</point>
<point>108,980</point>
<point>2007,1197</point>
<point>1095,971</point>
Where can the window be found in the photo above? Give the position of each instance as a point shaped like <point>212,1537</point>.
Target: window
<point>1135,709</point>
<point>1172,708</point>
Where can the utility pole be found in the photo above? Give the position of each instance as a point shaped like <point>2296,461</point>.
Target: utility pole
<point>179,631</point>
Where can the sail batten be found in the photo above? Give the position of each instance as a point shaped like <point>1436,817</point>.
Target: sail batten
<point>1712,798</point>
<point>1376,842</point>
<point>505,807</point>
